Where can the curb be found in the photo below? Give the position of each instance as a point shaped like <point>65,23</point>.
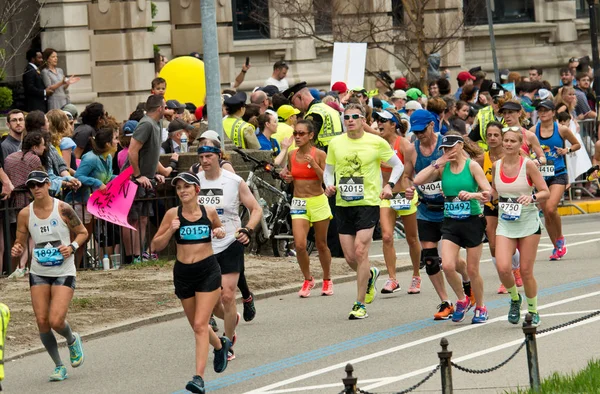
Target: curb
<point>590,206</point>
<point>178,313</point>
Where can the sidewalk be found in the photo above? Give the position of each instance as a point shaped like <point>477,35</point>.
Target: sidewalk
<point>586,205</point>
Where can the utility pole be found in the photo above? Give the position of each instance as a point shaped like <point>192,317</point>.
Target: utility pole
<point>488,6</point>
<point>211,66</point>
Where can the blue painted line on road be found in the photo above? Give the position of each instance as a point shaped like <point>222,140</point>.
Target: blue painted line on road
<point>365,340</point>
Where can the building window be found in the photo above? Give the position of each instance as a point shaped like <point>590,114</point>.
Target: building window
<point>322,12</point>
<point>397,13</point>
<point>503,11</point>
<point>250,19</point>
<point>582,9</point>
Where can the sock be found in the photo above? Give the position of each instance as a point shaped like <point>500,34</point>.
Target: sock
<point>516,260</point>
<point>560,242</point>
<point>494,261</point>
<point>514,293</point>
<point>67,333</point>
<point>243,285</point>
<point>128,259</point>
<point>467,288</point>
<point>532,304</point>
<point>49,342</point>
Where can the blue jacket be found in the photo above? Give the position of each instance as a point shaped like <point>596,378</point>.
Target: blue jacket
<point>93,172</point>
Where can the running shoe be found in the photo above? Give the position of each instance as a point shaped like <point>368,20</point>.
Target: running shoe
<point>514,313</point>
<point>391,286</point>
<point>359,311</point>
<point>372,286</point>
<point>213,323</point>
<point>462,307</point>
<point>535,319</point>
<point>196,385</point>
<point>230,354</point>
<point>137,260</point>
<point>415,285</point>
<point>150,256</point>
<point>327,288</point>
<point>249,309</point>
<point>518,279</point>
<point>555,255</point>
<point>307,286</point>
<point>59,374</point>
<point>220,356</point>
<point>562,252</point>
<point>481,315</point>
<point>502,289</point>
<point>76,351</point>
<point>18,273</point>
<point>445,311</point>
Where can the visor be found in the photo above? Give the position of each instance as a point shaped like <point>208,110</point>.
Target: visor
<point>188,178</point>
<point>449,141</point>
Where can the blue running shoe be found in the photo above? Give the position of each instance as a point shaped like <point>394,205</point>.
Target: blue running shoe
<point>59,374</point>
<point>462,307</point>
<point>196,385</point>
<point>220,359</point>
<point>76,351</point>
<point>481,315</point>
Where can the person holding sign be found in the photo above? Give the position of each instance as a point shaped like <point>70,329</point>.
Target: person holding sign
<point>391,128</point>
<point>353,171</point>
<point>196,273</point>
<point>552,138</point>
<point>310,206</point>
<point>464,223</point>
<point>51,224</point>
<point>519,225</point>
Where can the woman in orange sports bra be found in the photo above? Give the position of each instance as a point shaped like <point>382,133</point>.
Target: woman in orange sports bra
<point>530,146</point>
<point>310,206</point>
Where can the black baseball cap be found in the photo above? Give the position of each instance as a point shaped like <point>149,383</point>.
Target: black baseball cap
<point>176,105</point>
<point>511,106</point>
<point>548,104</point>
<point>178,124</point>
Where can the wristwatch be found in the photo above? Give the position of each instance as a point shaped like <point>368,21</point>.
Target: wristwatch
<point>435,165</point>
<point>392,184</point>
<point>533,197</point>
<point>74,246</point>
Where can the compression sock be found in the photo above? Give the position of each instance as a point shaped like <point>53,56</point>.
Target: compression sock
<point>516,259</point>
<point>467,288</point>
<point>67,333</point>
<point>532,304</point>
<point>49,342</point>
<point>514,293</point>
<point>243,285</point>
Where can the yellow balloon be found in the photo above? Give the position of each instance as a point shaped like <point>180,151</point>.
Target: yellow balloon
<point>185,80</point>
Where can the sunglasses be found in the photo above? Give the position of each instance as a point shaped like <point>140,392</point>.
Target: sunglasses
<point>379,119</point>
<point>572,60</point>
<point>353,116</point>
<point>35,185</point>
<point>511,128</point>
<point>299,133</point>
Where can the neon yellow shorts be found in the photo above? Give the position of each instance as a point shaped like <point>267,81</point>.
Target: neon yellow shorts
<point>404,212</point>
<point>313,209</point>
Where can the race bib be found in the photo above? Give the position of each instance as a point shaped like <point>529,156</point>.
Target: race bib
<point>547,170</point>
<point>298,206</point>
<point>45,230</point>
<point>213,198</point>
<point>352,188</point>
<point>48,257</point>
<point>194,232</point>
<point>431,190</point>
<point>400,203</point>
<point>511,209</point>
<point>457,209</point>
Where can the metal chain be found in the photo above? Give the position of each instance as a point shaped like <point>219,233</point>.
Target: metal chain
<point>582,318</point>
<point>487,370</point>
<point>411,388</point>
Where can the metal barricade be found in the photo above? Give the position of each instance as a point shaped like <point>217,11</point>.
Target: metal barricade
<point>588,131</point>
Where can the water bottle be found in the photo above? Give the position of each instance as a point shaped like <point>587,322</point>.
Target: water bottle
<point>106,263</point>
<point>265,207</point>
<point>184,142</point>
<point>589,174</point>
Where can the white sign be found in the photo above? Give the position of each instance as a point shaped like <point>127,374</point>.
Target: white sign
<point>348,65</point>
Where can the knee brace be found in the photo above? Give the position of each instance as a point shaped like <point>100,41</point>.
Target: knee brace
<point>431,259</point>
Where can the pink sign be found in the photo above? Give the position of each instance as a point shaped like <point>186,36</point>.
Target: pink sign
<point>113,203</point>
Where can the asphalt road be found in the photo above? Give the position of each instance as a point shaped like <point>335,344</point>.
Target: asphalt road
<point>302,345</point>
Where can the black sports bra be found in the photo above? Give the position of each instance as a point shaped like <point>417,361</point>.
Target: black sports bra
<point>193,232</point>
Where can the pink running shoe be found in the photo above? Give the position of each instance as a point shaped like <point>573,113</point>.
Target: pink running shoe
<point>327,288</point>
<point>391,286</point>
<point>307,286</point>
<point>562,252</point>
<point>518,279</point>
<point>502,289</point>
<point>555,255</point>
<point>415,285</point>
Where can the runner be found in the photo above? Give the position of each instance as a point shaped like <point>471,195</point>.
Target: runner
<point>309,205</point>
<point>355,159</point>
<point>391,128</point>
<point>430,211</point>
<point>463,220</point>
<point>51,223</point>
<point>196,274</point>
<point>552,137</point>
<point>490,209</point>
<point>519,224</point>
<point>225,191</point>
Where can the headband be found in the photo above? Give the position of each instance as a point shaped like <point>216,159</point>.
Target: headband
<point>208,149</point>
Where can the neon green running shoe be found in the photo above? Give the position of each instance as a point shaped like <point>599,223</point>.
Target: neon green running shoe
<point>76,351</point>
<point>359,311</point>
<point>59,374</point>
<point>372,285</point>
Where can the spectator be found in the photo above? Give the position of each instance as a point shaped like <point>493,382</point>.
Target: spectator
<point>36,94</point>
<point>464,79</point>
<point>469,94</point>
<point>526,92</point>
<point>176,129</point>
<point>573,64</point>
<point>433,89</point>
<point>535,74</point>
<point>261,99</point>
<point>514,77</point>
<point>60,132</point>
<point>267,124</point>
<point>287,117</point>
<point>278,100</point>
<point>280,70</point>
<point>16,125</point>
<point>583,86</point>
<point>399,99</point>
<point>412,106</point>
<point>566,79</point>
<point>242,75</point>
<point>36,120</point>
<point>401,83</point>
<point>235,128</point>
<point>55,79</point>
<point>479,77</point>
<point>124,140</point>
<point>437,106</point>
<point>414,94</point>
<point>444,87</point>
<point>159,86</point>
<point>458,120</point>
<point>566,101</point>
<point>340,87</point>
<point>92,118</point>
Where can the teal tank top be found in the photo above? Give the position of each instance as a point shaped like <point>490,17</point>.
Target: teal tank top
<point>452,184</point>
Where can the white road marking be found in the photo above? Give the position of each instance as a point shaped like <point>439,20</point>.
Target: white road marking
<point>421,341</point>
<point>569,313</point>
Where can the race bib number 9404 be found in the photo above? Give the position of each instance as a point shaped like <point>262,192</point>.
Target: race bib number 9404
<point>431,190</point>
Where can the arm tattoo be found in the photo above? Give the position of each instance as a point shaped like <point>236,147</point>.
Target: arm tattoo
<point>72,218</point>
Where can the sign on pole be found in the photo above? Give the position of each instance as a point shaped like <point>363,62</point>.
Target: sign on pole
<point>348,65</point>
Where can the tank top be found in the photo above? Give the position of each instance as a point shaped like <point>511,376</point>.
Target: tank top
<point>555,163</point>
<point>303,171</point>
<point>487,166</point>
<point>454,184</point>
<point>47,235</point>
<point>398,151</point>
<point>515,220</point>
<point>190,233</point>
<point>525,145</point>
<point>224,194</point>
<point>430,195</point>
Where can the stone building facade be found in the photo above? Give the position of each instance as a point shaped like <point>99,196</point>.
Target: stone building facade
<point>110,45</point>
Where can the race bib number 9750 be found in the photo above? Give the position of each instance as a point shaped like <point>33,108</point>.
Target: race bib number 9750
<point>510,210</point>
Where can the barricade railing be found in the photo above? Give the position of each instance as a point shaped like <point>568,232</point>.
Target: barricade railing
<point>446,364</point>
<point>588,131</point>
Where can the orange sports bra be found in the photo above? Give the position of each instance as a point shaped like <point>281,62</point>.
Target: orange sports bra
<point>398,152</point>
<point>303,171</point>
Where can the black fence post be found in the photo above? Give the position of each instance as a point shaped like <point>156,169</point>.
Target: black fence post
<point>349,381</point>
<point>532,355</point>
<point>7,241</point>
<point>445,367</point>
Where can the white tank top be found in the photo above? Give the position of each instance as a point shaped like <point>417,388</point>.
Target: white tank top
<point>47,235</point>
<point>224,195</point>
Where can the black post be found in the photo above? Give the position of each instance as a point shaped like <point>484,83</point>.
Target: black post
<point>6,234</point>
<point>595,55</point>
<point>532,355</point>
<point>445,367</point>
<point>349,381</point>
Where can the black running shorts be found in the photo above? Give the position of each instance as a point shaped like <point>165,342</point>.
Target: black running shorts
<point>201,277</point>
<point>350,220</point>
<point>231,260</point>
<point>429,231</point>
<point>467,233</point>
